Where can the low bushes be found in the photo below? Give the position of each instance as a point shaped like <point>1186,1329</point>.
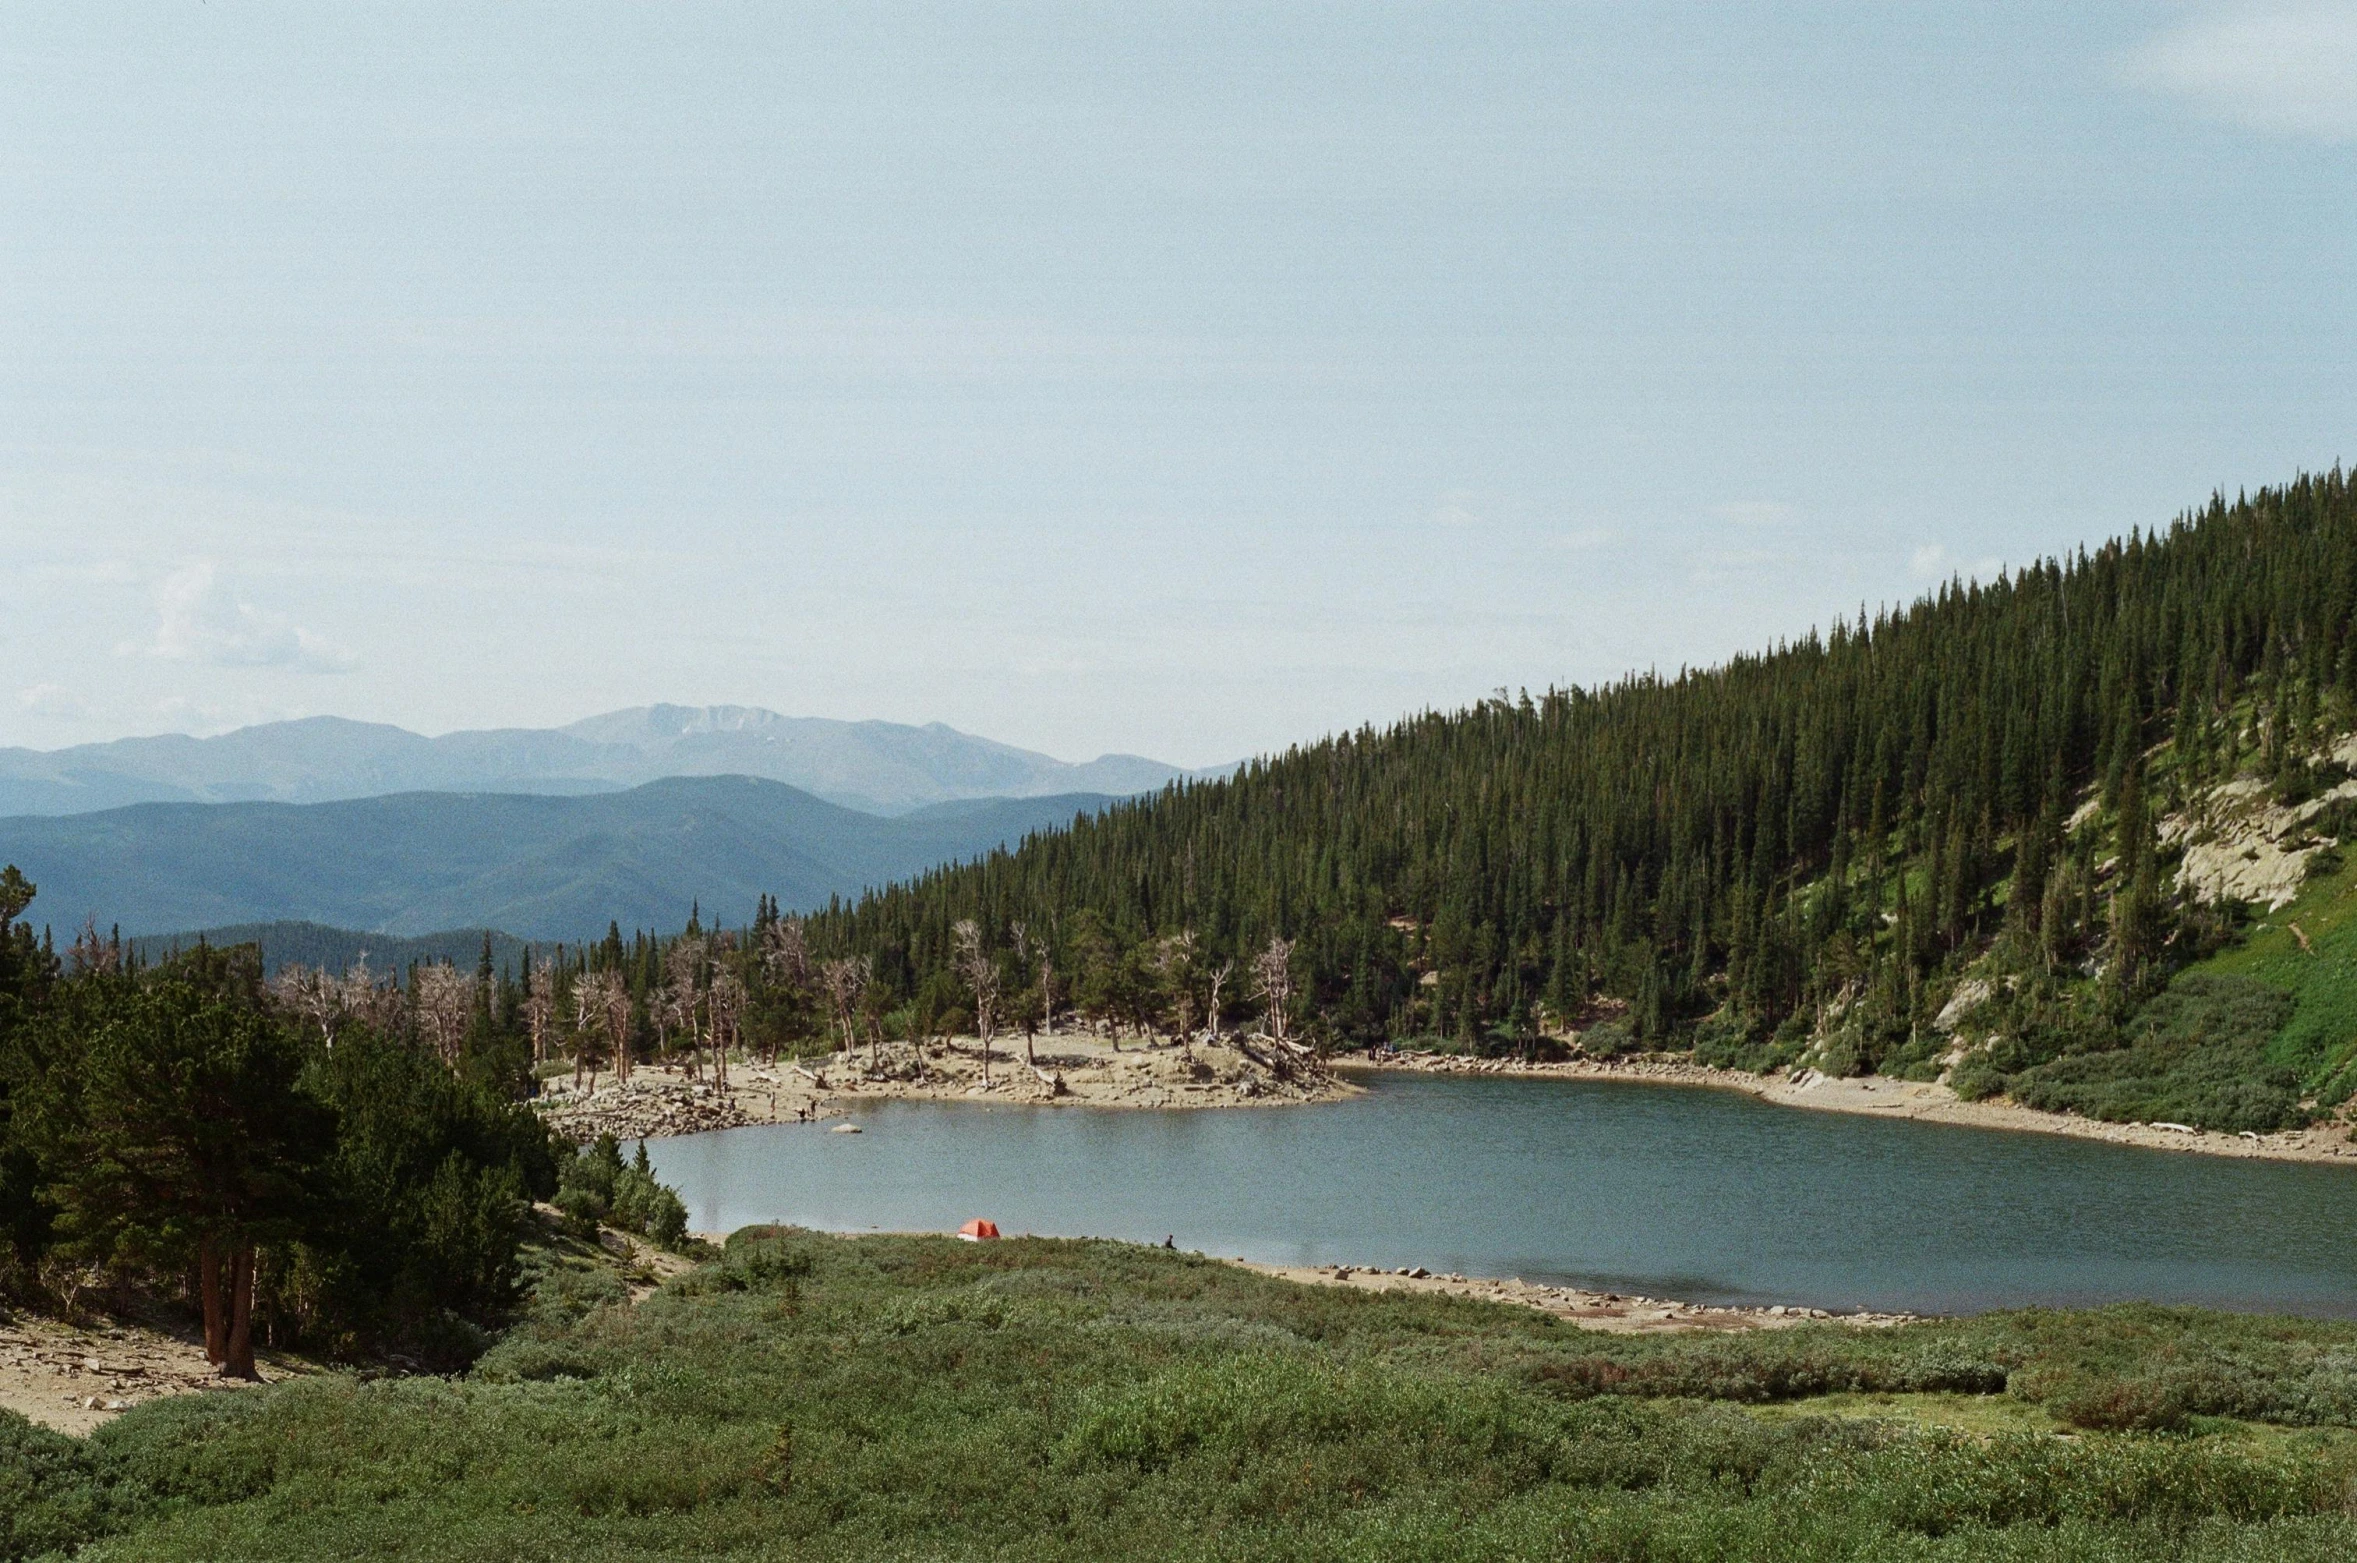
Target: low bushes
<point>889,1397</point>
<point>2196,1054</point>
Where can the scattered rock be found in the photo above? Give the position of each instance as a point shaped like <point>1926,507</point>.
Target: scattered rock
<point>651,1105</point>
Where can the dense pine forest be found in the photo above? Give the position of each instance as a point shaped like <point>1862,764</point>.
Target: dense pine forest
<point>352,1181</point>
<point>1792,857</point>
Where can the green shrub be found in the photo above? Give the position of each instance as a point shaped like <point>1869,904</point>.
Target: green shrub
<point>2196,1053</point>
<point>1976,1077</point>
<point>197,1449</point>
<point>594,1184</point>
<point>52,1495</point>
<point>648,1208</point>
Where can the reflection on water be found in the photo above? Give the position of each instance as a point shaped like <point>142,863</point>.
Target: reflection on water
<point>1706,1195</point>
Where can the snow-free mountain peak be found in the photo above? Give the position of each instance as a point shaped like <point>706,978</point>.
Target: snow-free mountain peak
<point>880,767</point>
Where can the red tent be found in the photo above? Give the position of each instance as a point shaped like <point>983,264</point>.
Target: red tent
<point>976,1230</point>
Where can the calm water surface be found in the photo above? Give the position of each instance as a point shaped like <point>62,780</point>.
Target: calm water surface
<point>1704,1195</point>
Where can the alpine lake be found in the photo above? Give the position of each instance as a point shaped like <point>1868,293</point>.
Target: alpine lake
<point>1668,1191</point>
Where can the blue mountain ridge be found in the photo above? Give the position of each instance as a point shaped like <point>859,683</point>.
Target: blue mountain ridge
<point>538,867</point>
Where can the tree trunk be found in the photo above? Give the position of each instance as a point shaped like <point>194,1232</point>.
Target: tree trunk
<point>239,1362</point>
<point>208,1285</point>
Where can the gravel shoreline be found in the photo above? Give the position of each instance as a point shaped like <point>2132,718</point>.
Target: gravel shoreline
<point>1612,1313</point>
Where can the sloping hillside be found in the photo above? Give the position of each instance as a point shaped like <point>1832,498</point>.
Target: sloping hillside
<point>538,867</point>
<point>1801,858</point>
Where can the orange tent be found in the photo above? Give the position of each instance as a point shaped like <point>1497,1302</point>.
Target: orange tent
<point>975,1231</point>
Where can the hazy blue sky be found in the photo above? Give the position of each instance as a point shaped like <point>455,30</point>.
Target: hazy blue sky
<point>1179,379</point>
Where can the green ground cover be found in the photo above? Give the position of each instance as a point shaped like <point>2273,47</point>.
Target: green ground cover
<point>813,1397</point>
<point>2320,1038</point>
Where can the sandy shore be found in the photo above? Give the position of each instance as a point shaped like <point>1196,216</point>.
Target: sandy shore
<point>1072,1071</point>
<point>1613,1313</point>
<point>1899,1099</point>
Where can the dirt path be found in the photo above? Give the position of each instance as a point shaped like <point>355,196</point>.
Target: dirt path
<point>1072,1071</point>
<point>73,1378</point>
<point>1611,1312</point>
<point>1900,1099</point>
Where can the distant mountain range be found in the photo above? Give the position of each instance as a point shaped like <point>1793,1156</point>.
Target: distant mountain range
<point>541,867</point>
<point>878,767</point>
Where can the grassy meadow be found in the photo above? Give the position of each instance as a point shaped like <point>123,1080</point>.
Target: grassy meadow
<point>803,1396</point>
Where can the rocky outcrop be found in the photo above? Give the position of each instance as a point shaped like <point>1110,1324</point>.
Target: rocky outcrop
<point>648,1106</point>
<point>2241,845</point>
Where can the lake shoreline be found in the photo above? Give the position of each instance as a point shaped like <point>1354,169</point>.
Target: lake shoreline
<point>2329,1144</point>
<point>1610,1313</point>
<point>1072,1070</point>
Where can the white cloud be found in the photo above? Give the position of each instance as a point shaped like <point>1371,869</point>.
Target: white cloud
<point>199,619</point>
<point>1755,512</point>
<point>2290,69</point>
<point>52,700</point>
<point>1456,510</point>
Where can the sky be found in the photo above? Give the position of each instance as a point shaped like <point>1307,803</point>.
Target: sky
<point>1184,380</point>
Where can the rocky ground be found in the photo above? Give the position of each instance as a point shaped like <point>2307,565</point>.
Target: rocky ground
<point>2327,1142</point>
<point>72,1377</point>
<point>76,1376</point>
<point>1065,1071</point>
<point>1611,1312</point>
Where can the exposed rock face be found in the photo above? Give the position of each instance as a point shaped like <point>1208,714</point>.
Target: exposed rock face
<point>1970,992</point>
<point>2242,846</point>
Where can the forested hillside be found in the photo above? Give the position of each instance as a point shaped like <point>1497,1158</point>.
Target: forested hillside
<point>1793,857</point>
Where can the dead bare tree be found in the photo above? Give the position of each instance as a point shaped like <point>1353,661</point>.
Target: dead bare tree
<point>785,953</point>
<point>1047,990</point>
<point>593,1011</point>
<point>669,1008</point>
<point>445,1000</point>
<point>540,1008</point>
<point>683,966</point>
<point>378,1005</point>
<point>93,953</point>
<point>1175,959</point>
<point>1019,935</point>
<point>1272,983</point>
<point>1218,978</point>
<point>785,962</point>
<point>613,1003</point>
<point>981,976</point>
<point>846,982</point>
<point>724,1002</point>
<point>312,997</point>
